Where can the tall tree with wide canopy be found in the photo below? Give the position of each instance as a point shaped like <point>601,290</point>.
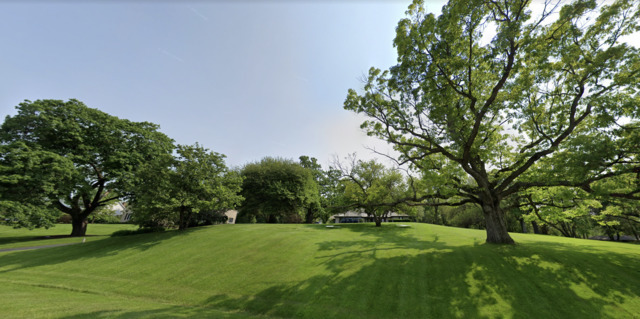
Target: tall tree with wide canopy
<point>79,159</point>
<point>510,96</point>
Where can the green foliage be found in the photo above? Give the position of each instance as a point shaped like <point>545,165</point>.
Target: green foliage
<point>318,208</point>
<point>191,188</point>
<point>465,216</point>
<point>329,186</point>
<point>567,210</point>
<point>619,217</point>
<point>105,216</point>
<point>27,176</point>
<point>278,190</point>
<point>551,100</point>
<point>373,188</point>
<point>67,156</point>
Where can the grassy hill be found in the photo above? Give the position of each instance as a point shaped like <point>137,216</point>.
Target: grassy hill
<point>311,271</point>
<point>16,238</point>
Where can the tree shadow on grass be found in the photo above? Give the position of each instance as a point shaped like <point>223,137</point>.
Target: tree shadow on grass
<point>168,312</point>
<point>22,239</point>
<point>396,275</point>
<point>109,246</point>
<point>438,281</point>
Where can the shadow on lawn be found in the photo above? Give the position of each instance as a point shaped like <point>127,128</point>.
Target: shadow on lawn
<point>165,313</point>
<point>20,239</point>
<point>439,281</point>
<point>93,249</point>
<point>401,276</point>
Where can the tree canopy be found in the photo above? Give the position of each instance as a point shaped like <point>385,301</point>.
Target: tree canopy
<point>66,157</point>
<point>25,172</point>
<point>373,188</point>
<point>179,189</point>
<point>495,97</point>
<point>277,190</point>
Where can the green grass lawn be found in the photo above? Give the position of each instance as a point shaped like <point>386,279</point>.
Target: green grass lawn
<point>310,271</point>
<point>16,238</point>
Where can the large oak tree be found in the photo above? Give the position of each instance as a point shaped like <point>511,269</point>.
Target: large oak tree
<point>66,157</point>
<point>499,96</point>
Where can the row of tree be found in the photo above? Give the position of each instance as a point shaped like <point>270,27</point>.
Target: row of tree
<point>520,110</point>
<point>60,157</point>
<point>280,190</point>
<point>65,158</point>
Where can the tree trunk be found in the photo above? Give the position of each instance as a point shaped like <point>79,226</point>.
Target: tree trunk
<point>435,215</point>
<point>309,216</point>
<point>544,229</point>
<point>183,223</point>
<point>378,221</point>
<point>536,230</point>
<point>496,224</point>
<point>523,225</point>
<point>79,225</point>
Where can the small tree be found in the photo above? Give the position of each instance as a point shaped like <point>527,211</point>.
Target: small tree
<point>372,187</point>
<point>176,189</point>
<point>316,208</point>
<point>329,188</point>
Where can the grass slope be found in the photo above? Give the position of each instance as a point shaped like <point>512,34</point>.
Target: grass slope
<point>16,238</point>
<point>310,271</point>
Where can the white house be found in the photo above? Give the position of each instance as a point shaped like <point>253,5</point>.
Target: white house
<point>232,216</point>
<point>121,210</point>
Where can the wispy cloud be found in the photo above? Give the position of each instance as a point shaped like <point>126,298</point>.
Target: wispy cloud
<point>196,12</point>
<point>171,55</point>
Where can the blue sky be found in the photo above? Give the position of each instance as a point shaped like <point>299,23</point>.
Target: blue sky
<point>248,79</point>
